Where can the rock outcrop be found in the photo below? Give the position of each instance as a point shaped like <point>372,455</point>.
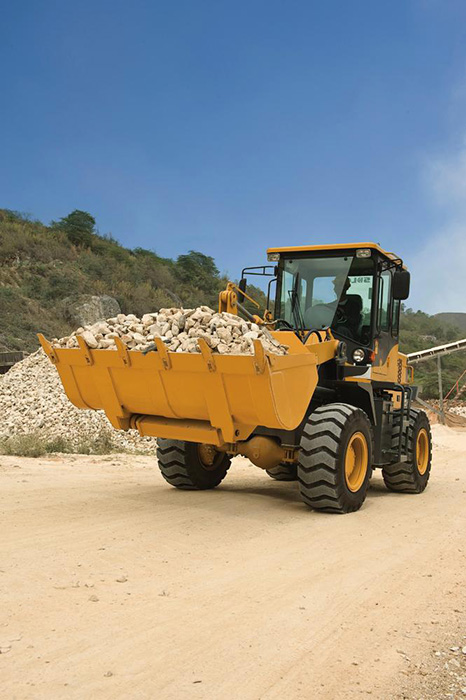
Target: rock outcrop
<point>86,309</point>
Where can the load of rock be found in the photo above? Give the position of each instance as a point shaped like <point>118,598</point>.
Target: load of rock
<point>33,402</point>
<point>180,330</point>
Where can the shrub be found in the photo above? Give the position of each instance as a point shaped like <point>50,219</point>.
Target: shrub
<point>101,445</point>
<point>31,445</point>
<point>35,445</point>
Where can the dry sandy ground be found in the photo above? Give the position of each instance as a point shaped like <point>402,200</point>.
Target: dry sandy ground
<point>115,585</point>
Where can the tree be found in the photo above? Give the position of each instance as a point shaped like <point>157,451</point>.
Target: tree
<point>79,226</point>
<point>198,269</point>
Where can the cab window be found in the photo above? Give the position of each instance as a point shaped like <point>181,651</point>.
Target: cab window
<point>383,315</point>
<point>323,290</point>
<point>396,317</point>
<point>361,286</point>
<point>333,292</point>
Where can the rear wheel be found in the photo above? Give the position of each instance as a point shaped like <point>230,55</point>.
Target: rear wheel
<point>188,465</point>
<point>284,472</point>
<point>411,476</point>
<point>335,458</point>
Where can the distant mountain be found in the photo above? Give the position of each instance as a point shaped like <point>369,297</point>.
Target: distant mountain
<point>457,318</point>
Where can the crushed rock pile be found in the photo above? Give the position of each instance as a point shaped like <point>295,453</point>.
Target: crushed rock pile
<point>459,409</point>
<point>180,330</point>
<point>32,401</point>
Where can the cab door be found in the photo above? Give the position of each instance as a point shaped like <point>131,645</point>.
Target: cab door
<point>385,367</point>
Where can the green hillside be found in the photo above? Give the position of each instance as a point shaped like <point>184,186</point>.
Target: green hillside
<point>419,331</point>
<point>41,266</point>
<point>455,319</point>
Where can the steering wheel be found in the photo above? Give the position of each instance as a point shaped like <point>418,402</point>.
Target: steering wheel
<point>340,317</point>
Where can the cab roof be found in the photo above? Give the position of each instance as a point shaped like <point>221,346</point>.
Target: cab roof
<point>333,246</point>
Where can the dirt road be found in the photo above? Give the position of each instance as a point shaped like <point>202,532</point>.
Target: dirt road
<point>115,585</point>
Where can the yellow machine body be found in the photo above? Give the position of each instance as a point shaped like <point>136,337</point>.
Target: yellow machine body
<point>336,406</point>
<point>332,247</point>
<point>199,397</point>
<point>211,398</point>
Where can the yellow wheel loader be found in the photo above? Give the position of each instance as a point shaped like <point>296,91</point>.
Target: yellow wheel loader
<point>335,407</point>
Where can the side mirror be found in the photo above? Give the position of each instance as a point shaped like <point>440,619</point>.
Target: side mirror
<point>401,281</point>
<point>242,287</point>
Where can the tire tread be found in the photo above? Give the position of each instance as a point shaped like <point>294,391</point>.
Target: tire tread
<point>319,478</point>
<point>403,477</point>
<point>283,472</point>
<point>176,468</point>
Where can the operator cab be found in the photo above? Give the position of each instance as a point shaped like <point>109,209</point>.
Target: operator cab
<point>355,290</point>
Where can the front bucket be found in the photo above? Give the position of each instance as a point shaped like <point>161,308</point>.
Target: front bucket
<point>201,397</point>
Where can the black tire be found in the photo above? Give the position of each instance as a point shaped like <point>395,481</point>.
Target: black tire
<point>331,433</point>
<point>284,472</point>
<point>182,466</point>
<point>410,476</point>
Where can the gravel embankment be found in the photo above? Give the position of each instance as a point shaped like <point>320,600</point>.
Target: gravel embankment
<point>32,401</point>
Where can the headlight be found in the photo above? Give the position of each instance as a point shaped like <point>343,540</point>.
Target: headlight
<point>359,355</point>
<point>273,257</point>
<point>363,253</point>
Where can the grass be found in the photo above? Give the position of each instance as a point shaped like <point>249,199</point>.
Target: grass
<point>35,445</point>
<point>32,445</point>
<point>102,445</point>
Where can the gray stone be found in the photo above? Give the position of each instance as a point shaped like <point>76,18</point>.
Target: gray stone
<point>89,338</point>
<point>87,309</point>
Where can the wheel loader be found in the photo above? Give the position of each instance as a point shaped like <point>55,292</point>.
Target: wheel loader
<point>337,406</point>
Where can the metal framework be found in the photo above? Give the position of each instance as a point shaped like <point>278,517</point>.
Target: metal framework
<point>459,386</point>
<point>438,351</point>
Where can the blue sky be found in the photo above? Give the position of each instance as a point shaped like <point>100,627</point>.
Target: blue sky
<point>226,127</point>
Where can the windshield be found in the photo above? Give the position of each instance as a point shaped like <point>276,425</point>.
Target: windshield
<point>333,292</point>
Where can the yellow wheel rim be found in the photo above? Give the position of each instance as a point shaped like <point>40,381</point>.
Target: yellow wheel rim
<point>209,456</point>
<point>356,458</point>
<point>422,451</point>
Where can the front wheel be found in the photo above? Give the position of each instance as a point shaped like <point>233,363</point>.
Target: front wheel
<point>191,466</point>
<point>335,458</point>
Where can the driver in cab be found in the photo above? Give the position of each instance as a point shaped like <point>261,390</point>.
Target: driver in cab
<point>343,315</point>
<point>347,319</point>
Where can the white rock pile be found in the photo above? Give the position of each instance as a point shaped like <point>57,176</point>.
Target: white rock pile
<point>180,330</point>
<point>33,402</point>
<point>459,409</point>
